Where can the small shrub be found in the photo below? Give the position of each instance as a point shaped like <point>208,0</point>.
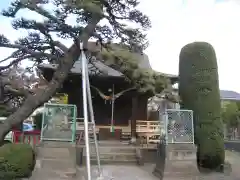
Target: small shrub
<point>16,161</point>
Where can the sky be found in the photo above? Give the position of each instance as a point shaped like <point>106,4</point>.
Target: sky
<point>176,23</point>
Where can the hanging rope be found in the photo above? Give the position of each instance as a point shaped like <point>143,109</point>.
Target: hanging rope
<point>112,99</point>
<point>101,94</point>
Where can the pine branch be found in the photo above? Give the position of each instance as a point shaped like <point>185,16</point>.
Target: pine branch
<point>26,50</point>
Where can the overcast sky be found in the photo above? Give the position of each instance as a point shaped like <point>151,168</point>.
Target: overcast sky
<point>176,23</point>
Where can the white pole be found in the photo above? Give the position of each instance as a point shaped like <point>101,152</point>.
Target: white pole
<point>85,110</point>
<point>92,119</point>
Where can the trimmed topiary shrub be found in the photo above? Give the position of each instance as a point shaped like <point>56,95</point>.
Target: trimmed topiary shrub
<point>199,91</point>
<point>16,161</point>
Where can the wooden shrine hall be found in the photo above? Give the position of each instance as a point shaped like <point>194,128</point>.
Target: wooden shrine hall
<point>129,105</point>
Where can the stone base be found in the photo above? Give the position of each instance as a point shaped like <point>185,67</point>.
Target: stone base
<point>158,173</point>
<point>57,157</point>
<point>176,160</point>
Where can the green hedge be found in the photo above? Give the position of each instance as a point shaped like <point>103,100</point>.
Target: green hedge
<point>16,161</point>
<point>199,91</point>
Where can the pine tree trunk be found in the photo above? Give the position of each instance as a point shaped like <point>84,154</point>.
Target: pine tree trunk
<point>41,96</point>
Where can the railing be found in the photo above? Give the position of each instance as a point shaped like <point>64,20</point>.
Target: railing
<point>149,131</point>
<point>28,137</point>
<point>149,126</point>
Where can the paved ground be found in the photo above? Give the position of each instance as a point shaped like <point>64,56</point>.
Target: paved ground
<point>126,172</point>
<point>233,145</point>
<point>130,172</point>
<point>234,159</point>
<point>111,172</point>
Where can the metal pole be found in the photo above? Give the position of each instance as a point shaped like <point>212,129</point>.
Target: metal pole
<point>43,122</point>
<point>192,127</point>
<point>85,110</point>
<point>113,101</point>
<point>92,118</point>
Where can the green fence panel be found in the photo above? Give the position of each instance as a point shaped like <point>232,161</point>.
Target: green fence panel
<point>59,122</point>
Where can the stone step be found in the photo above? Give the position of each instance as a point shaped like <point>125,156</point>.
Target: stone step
<point>112,153</point>
<point>119,156</point>
<point>103,150</point>
<point>115,144</point>
<point>115,156</point>
<point>114,162</point>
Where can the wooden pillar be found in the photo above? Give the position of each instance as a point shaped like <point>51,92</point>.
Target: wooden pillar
<point>74,92</point>
<point>139,112</point>
<point>134,118</point>
<point>142,107</point>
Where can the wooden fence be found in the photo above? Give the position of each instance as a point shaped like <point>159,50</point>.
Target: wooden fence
<point>148,131</point>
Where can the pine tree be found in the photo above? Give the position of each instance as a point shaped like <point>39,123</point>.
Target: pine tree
<point>41,43</point>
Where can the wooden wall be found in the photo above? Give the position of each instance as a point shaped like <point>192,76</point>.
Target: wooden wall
<point>124,109</point>
<point>102,108</point>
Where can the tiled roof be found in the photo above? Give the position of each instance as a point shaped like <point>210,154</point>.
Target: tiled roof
<point>93,47</point>
<point>77,68</point>
<point>229,95</point>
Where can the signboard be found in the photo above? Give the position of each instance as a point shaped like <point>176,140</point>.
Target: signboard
<point>64,98</point>
<point>60,98</point>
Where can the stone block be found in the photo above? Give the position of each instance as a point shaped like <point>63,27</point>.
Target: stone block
<point>58,157</point>
<point>176,160</point>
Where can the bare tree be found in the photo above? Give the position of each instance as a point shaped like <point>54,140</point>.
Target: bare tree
<point>16,84</point>
<point>42,45</point>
